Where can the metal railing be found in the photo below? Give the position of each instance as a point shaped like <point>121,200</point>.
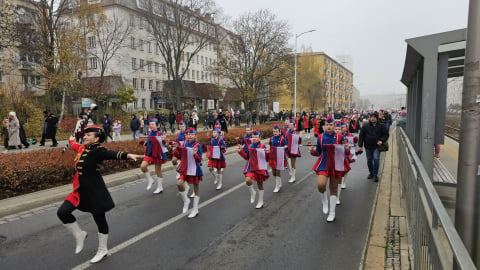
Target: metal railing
<point>435,241</point>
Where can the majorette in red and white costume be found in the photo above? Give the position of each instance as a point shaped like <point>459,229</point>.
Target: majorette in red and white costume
<point>216,157</point>
<point>294,140</point>
<point>190,170</point>
<point>331,147</point>
<point>256,168</point>
<point>351,157</point>
<point>179,141</point>
<point>155,153</point>
<point>277,157</point>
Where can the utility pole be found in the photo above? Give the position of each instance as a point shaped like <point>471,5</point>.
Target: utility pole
<point>467,210</point>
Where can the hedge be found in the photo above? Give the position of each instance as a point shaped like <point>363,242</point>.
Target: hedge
<point>32,171</point>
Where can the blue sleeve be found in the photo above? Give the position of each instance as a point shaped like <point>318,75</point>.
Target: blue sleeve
<point>149,147</point>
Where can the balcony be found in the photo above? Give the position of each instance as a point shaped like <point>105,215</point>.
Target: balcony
<point>26,65</point>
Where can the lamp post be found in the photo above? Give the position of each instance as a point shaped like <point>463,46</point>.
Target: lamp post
<point>295,83</point>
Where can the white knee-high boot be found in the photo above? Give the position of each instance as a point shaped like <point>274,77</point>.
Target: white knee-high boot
<point>289,164</point>
<point>214,173</point>
<point>219,178</point>
<point>159,185</point>
<point>79,235</point>
<point>278,184</point>
<point>344,184</point>
<point>331,214</point>
<point>292,178</point>
<point>149,180</point>
<point>324,197</point>
<point>252,193</point>
<point>194,212</point>
<point>338,195</point>
<point>186,201</point>
<point>102,248</point>
<point>260,199</point>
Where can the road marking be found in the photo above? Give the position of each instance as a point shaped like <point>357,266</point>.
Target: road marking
<point>159,227</point>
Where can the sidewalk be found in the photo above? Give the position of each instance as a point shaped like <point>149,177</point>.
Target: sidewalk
<point>389,246</point>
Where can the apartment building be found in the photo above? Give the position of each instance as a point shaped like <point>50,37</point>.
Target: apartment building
<point>139,61</point>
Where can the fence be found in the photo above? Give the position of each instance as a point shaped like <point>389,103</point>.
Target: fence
<point>436,243</point>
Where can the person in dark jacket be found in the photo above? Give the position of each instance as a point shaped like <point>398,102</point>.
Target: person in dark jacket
<point>50,128</point>
<point>90,193</point>
<point>171,121</point>
<point>223,121</point>
<point>371,136</point>
<point>107,126</point>
<point>134,126</point>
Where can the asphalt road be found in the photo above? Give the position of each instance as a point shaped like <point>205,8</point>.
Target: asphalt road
<point>148,231</point>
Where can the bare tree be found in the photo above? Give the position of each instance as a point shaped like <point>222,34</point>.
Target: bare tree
<point>181,29</point>
<point>260,49</point>
<point>109,36</point>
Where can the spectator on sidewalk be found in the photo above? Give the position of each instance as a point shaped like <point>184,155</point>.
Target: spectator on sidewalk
<point>13,128</point>
<point>50,129</point>
<point>107,126</point>
<point>171,121</point>
<point>372,135</point>
<point>134,126</point>
<point>117,130</point>
<point>179,118</point>
<point>402,120</point>
<point>254,117</point>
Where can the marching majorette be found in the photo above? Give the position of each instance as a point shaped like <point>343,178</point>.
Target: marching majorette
<point>215,153</point>
<point>332,148</point>
<point>285,126</point>
<point>256,168</point>
<point>306,125</point>
<point>341,128</point>
<point>277,158</point>
<point>247,138</point>
<point>294,141</point>
<point>89,191</point>
<point>156,153</point>
<point>190,170</point>
<point>179,141</point>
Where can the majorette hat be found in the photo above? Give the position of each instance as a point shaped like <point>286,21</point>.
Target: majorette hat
<point>329,119</point>
<point>256,132</point>
<point>191,131</point>
<point>338,124</point>
<point>217,130</point>
<point>181,123</point>
<point>292,121</point>
<point>248,126</point>
<point>343,123</point>
<point>155,120</point>
<point>98,130</point>
<point>276,127</point>
<point>288,118</point>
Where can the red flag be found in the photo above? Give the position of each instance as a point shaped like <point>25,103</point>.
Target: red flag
<point>277,158</point>
<point>213,151</point>
<point>158,148</point>
<point>258,161</point>
<point>335,157</point>
<point>188,166</point>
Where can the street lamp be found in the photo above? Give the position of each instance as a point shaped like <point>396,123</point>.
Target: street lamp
<point>295,83</point>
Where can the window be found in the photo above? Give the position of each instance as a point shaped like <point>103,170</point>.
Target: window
<point>134,83</point>
<point>201,60</point>
<point>142,64</point>
<point>149,47</point>
<point>188,56</point>
<point>202,76</point>
<point>32,79</point>
<point>132,20</point>
<point>157,86</point>
<point>141,23</point>
<point>143,103</point>
<point>198,59</point>
<point>1,75</point>
<point>90,19</point>
<point>157,49</point>
<point>134,63</point>
<point>151,104</point>
<point>188,75</point>
<point>193,74</point>
<point>149,66</point>
<point>198,75</point>
<point>132,43</point>
<point>92,42</point>
<point>142,84</point>
<point>150,85</point>
<point>92,62</point>
<point>140,44</point>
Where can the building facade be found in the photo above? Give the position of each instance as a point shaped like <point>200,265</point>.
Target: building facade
<point>329,86</point>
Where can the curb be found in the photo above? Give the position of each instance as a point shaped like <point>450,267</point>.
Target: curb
<point>57,194</point>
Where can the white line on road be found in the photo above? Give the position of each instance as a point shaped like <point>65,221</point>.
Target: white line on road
<point>159,227</point>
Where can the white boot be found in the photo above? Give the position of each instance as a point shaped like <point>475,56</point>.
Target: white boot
<point>260,199</point>
<point>278,184</point>
<point>344,185</point>
<point>102,248</point>
<point>292,178</point>
<point>252,193</point>
<point>194,212</point>
<point>79,235</point>
<point>324,197</point>
<point>331,214</point>
<point>186,201</point>
<point>159,185</point>
<point>219,177</point>
<point>149,180</point>
<point>338,195</point>
<point>289,164</point>
<point>212,171</point>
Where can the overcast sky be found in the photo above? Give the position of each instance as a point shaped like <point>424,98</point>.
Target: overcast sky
<point>373,32</point>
